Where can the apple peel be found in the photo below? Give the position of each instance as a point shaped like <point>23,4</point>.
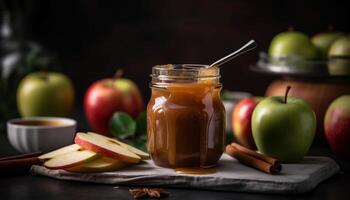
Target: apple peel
<point>137,151</point>
<point>106,148</point>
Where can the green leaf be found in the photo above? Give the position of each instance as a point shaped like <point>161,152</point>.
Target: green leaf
<point>225,95</point>
<point>141,124</point>
<point>229,138</point>
<point>122,125</point>
<point>139,143</point>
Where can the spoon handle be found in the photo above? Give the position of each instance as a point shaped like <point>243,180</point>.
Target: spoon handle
<point>247,47</point>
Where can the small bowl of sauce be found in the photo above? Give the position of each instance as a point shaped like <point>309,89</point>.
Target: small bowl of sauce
<point>42,134</point>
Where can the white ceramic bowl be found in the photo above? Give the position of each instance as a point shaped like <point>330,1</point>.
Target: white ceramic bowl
<point>26,135</point>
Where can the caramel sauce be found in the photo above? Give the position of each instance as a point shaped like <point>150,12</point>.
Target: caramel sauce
<point>197,171</point>
<point>185,125</point>
<point>40,123</point>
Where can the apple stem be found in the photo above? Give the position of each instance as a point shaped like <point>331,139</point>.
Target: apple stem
<point>119,73</point>
<point>286,95</point>
<point>290,28</point>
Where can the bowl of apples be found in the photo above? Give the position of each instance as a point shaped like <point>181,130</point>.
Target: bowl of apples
<point>317,68</point>
<point>294,54</point>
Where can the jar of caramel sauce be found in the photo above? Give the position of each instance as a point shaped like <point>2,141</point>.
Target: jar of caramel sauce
<point>185,116</point>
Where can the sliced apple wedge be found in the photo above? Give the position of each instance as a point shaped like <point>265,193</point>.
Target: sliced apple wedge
<point>70,159</point>
<point>101,164</point>
<point>138,152</point>
<point>106,148</point>
<point>60,151</point>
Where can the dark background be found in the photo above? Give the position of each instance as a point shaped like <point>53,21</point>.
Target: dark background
<point>93,38</point>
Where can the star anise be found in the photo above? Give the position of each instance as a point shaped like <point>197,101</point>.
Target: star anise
<point>138,193</point>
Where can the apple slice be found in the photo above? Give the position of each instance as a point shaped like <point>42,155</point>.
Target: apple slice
<point>106,148</point>
<point>101,164</point>
<point>138,152</point>
<point>70,159</point>
<point>60,151</point>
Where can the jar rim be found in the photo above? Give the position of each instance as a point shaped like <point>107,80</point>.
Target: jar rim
<point>163,75</point>
<point>185,71</point>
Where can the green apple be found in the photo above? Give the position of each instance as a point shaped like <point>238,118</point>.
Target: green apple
<point>45,94</point>
<point>323,41</point>
<point>283,127</point>
<point>292,43</point>
<point>339,55</point>
<point>341,47</point>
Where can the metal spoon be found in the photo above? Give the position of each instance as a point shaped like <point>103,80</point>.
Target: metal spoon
<point>245,48</point>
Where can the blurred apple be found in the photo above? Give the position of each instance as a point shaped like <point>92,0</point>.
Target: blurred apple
<point>45,94</point>
<point>339,54</point>
<point>341,47</point>
<point>242,119</point>
<point>292,43</point>
<point>337,125</point>
<point>110,95</point>
<point>323,41</point>
<point>230,100</point>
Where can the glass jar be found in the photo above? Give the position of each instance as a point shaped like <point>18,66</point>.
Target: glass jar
<point>185,116</point>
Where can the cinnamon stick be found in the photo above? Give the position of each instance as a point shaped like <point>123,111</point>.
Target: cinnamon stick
<point>257,155</point>
<point>18,165</point>
<point>253,159</point>
<point>28,155</point>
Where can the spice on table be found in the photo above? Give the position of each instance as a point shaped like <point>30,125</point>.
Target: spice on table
<point>254,159</point>
<point>138,193</point>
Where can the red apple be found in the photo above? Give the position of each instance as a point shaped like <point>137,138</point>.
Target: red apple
<point>106,96</point>
<point>337,126</point>
<point>241,121</point>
